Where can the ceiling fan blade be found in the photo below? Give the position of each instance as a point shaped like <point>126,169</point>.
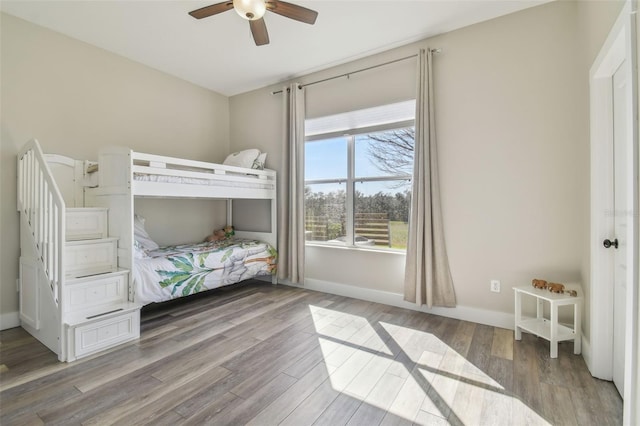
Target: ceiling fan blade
<point>292,11</point>
<point>259,31</point>
<point>214,9</point>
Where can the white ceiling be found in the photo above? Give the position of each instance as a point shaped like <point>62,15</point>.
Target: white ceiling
<point>219,53</point>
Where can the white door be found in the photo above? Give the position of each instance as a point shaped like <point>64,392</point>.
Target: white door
<point>621,168</point>
<point>614,293</point>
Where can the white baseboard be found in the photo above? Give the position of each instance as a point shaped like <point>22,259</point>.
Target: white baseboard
<point>9,320</point>
<point>594,370</point>
<point>586,352</point>
<point>466,313</point>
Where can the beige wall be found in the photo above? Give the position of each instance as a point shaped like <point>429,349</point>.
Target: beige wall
<point>75,98</point>
<point>512,125</point>
<point>596,18</point>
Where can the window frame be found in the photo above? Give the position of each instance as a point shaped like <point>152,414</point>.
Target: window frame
<point>351,179</point>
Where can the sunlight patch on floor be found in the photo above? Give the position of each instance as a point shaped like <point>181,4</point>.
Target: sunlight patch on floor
<point>411,374</point>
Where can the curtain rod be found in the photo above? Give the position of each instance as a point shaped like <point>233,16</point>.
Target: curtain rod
<point>347,74</point>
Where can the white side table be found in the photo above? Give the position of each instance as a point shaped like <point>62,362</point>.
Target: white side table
<point>549,329</point>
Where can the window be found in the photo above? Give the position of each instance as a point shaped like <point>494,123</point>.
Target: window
<point>358,170</point>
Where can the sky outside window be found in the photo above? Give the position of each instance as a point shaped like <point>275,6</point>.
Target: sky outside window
<point>327,159</point>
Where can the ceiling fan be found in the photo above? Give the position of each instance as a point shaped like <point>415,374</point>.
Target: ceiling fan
<point>254,10</point>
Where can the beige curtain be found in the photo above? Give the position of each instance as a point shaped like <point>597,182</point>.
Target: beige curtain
<point>427,275</point>
<point>291,188</point>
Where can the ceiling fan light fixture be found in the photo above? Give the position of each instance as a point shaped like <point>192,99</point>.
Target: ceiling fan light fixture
<point>254,10</point>
<point>250,9</point>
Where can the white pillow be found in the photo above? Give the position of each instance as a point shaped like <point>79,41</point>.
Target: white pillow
<point>258,163</point>
<point>242,158</point>
<point>140,234</point>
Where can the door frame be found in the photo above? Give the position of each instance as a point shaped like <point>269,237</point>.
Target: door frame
<point>620,46</point>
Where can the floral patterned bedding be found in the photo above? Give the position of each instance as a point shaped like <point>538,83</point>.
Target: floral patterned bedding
<point>176,271</point>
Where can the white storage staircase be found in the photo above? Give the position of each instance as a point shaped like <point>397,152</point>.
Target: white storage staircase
<point>73,296</point>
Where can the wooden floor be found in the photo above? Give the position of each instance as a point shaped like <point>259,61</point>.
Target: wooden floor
<point>264,355</point>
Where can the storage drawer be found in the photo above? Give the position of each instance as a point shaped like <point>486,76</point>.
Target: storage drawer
<point>85,258</point>
<point>86,224</point>
<point>103,334</point>
<point>88,293</point>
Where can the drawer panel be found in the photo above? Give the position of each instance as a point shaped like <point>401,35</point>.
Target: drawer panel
<point>85,224</point>
<point>97,257</point>
<point>107,333</point>
<point>89,293</point>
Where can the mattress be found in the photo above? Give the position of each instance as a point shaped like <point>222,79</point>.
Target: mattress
<point>177,271</point>
<point>258,184</point>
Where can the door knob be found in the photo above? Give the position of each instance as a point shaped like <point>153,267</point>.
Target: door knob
<point>608,243</point>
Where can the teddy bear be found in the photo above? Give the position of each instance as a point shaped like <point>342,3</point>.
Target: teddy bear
<point>539,283</point>
<point>555,288</point>
<point>220,234</point>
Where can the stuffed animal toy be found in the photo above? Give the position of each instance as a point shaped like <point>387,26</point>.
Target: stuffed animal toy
<point>572,293</point>
<point>555,288</point>
<point>539,283</point>
<point>220,234</point>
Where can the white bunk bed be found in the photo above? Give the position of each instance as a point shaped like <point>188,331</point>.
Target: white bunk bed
<point>77,295</point>
<point>124,175</point>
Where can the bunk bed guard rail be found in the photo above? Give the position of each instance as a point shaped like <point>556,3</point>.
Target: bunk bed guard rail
<point>42,208</point>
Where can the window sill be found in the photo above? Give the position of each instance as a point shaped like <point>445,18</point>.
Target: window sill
<point>356,248</point>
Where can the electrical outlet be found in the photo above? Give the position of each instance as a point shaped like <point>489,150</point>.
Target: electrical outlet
<point>495,286</point>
